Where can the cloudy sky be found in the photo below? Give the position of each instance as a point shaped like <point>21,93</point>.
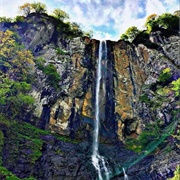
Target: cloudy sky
<point>107,18</point>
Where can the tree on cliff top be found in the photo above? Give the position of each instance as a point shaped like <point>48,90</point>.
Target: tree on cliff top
<point>25,9</point>
<point>130,33</point>
<point>39,7</point>
<point>166,21</point>
<point>151,23</point>
<point>60,14</point>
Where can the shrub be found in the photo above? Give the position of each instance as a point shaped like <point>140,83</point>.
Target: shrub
<point>176,173</point>
<point>165,75</point>
<point>60,14</point>
<point>19,19</point>
<point>144,98</point>
<point>176,87</point>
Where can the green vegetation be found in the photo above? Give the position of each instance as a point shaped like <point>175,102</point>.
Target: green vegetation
<point>165,75</point>
<point>19,19</point>
<point>60,14</point>
<point>23,136</point>
<point>25,9</point>
<point>166,21</point>
<point>53,76</point>
<point>152,133</point>
<point>60,51</point>
<point>130,33</point>
<point>160,93</point>
<point>5,19</point>
<point>50,71</point>
<point>15,61</point>
<point>151,23</point>
<point>144,98</point>
<point>176,87</point>
<point>16,67</point>
<point>39,7</point>
<point>176,174</point>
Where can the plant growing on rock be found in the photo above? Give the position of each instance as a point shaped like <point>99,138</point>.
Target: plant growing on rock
<point>50,71</point>
<point>16,68</point>
<point>25,9</point>
<point>130,33</point>
<point>151,23</point>
<point>39,8</point>
<point>176,173</point>
<point>176,87</point>
<point>5,19</point>
<point>165,75</point>
<point>14,59</point>
<point>60,14</point>
<point>168,21</point>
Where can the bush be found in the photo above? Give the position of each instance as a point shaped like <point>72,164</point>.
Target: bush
<point>130,33</point>
<point>19,19</point>
<point>176,173</point>
<point>165,75</point>
<point>176,87</point>
<point>53,76</point>
<point>150,134</point>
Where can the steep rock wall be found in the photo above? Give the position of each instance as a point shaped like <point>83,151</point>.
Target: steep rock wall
<point>69,110</point>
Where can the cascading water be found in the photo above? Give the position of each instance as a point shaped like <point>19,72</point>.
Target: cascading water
<point>97,160</point>
<point>125,175</point>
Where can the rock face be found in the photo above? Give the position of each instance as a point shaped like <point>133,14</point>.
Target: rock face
<point>69,109</point>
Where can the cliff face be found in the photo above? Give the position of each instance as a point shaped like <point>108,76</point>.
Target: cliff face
<point>134,68</point>
<point>133,97</point>
<point>69,109</point>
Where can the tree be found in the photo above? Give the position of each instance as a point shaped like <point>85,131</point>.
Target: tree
<point>13,97</point>
<point>168,21</point>
<point>25,9</point>
<point>60,14</point>
<point>132,32</point>
<point>5,19</point>
<point>151,17</point>
<point>151,23</point>
<point>16,66</point>
<point>177,13</point>
<point>76,29</point>
<point>39,7</point>
<point>88,33</point>
<point>124,37</point>
<point>14,59</point>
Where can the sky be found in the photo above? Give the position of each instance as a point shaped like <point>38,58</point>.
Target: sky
<point>108,19</point>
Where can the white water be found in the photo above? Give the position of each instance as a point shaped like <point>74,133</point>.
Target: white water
<point>125,175</point>
<point>98,160</point>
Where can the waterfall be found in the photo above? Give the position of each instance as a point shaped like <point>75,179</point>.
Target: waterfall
<point>97,160</point>
<point>125,175</point>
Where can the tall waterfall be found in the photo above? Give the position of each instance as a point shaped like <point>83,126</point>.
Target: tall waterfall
<point>98,160</point>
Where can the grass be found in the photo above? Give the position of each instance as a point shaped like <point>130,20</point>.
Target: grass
<point>23,136</point>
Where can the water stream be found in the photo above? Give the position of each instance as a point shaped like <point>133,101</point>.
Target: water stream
<point>97,160</point>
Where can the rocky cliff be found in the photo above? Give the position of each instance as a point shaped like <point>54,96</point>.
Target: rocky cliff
<point>69,109</point>
<point>133,97</point>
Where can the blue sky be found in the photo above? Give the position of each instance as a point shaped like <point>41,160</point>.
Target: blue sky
<point>107,18</point>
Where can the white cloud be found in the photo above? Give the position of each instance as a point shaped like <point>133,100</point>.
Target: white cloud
<point>155,7</point>
<point>102,35</point>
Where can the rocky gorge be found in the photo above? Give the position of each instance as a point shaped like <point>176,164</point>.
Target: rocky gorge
<point>133,98</point>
